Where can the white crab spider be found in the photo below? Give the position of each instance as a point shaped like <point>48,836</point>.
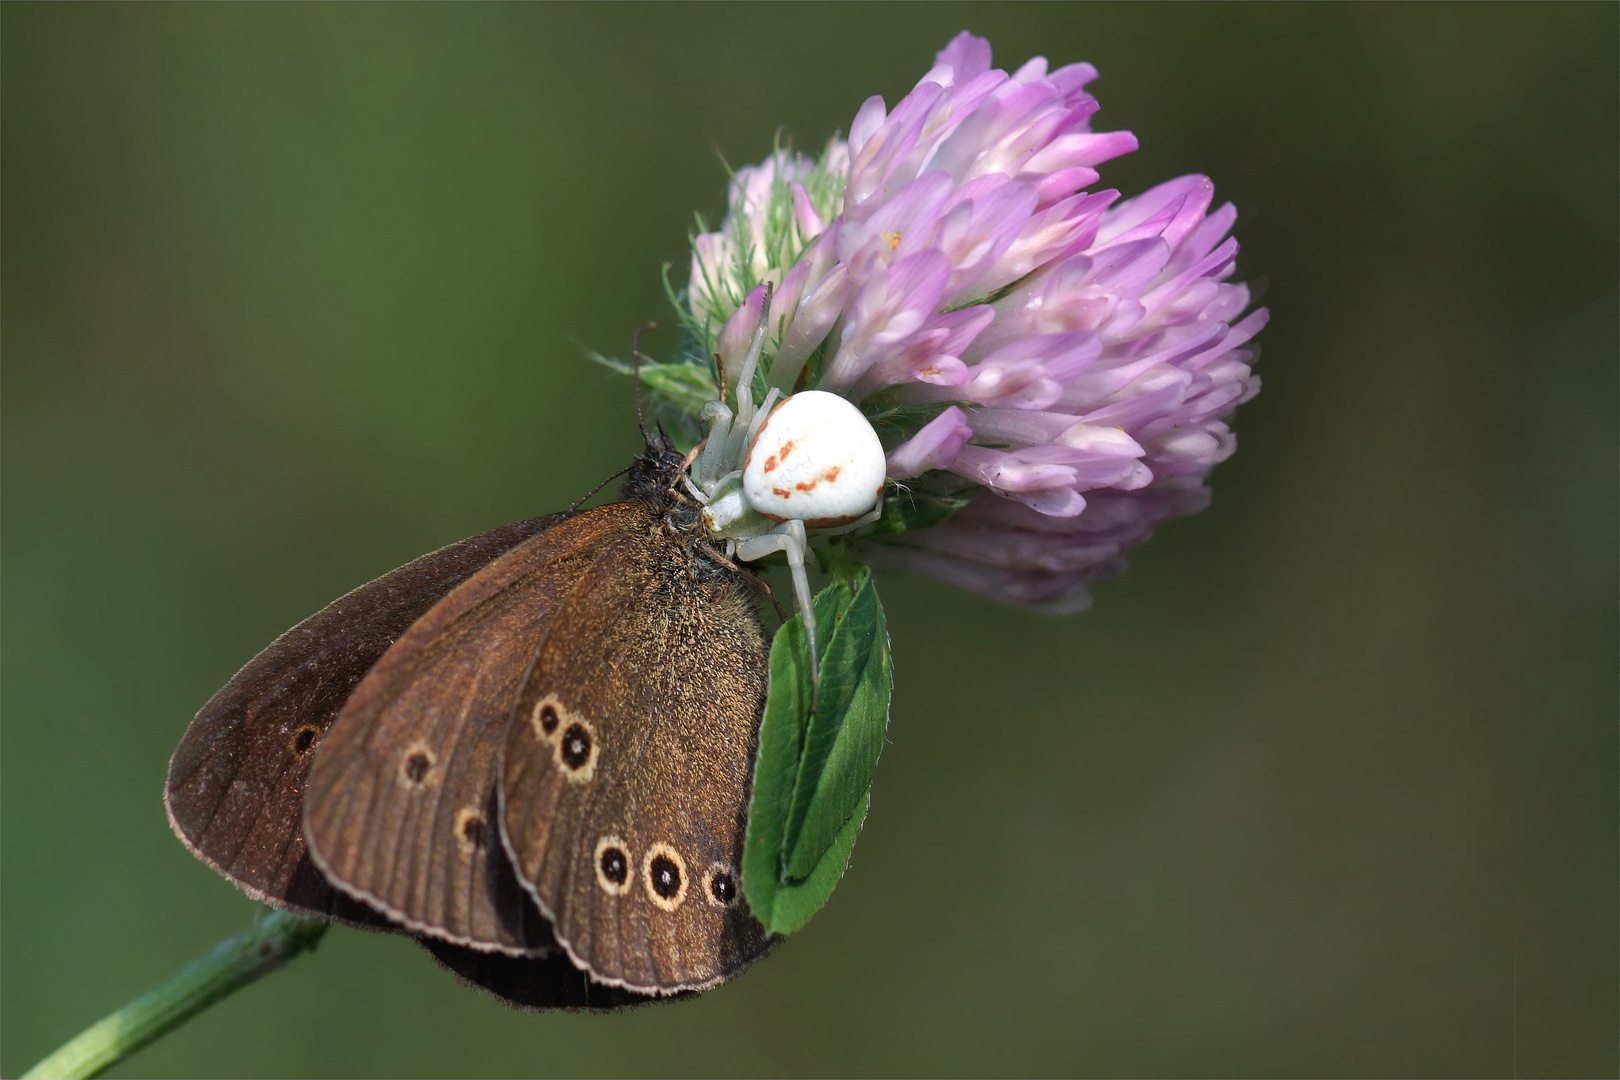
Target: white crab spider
<point>767,478</point>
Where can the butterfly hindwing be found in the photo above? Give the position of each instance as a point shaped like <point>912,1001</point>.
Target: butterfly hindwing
<point>628,762</point>
<point>401,808</point>
<point>547,984</point>
<point>235,787</point>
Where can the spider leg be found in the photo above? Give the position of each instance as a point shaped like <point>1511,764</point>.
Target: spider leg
<point>860,522</point>
<point>697,492</point>
<point>688,542</point>
<point>789,538</point>
<point>781,613</point>
<point>686,464</point>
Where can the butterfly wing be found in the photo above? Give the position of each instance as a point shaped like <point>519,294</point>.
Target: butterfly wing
<point>401,804</point>
<point>628,761</point>
<point>235,787</point>
<point>547,984</point>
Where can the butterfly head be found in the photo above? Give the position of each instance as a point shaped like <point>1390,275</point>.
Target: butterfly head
<point>655,474</point>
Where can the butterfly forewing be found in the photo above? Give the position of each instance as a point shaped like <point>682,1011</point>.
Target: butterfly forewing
<point>236,782</point>
<point>401,810</point>
<point>628,761</point>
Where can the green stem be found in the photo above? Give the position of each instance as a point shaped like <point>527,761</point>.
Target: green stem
<point>232,964</point>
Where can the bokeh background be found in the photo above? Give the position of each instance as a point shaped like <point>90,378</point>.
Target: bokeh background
<point>1325,785</point>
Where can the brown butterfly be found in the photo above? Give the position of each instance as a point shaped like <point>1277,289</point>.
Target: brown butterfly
<point>529,748</point>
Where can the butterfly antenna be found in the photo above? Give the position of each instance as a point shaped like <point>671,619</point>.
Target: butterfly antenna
<point>635,372</point>
<point>582,500</point>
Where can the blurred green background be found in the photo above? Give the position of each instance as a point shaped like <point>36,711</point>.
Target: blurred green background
<point>1325,785</point>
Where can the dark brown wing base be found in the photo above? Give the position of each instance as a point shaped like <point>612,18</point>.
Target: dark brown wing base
<point>548,984</point>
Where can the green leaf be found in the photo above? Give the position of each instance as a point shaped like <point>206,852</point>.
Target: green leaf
<point>776,766</point>
<point>797,902</point>
<point>813,773</point>
<point>845,734</point>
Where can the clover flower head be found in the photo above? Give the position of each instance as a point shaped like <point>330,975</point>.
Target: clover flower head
<point>1051,367</point>
<point>773,210</point>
